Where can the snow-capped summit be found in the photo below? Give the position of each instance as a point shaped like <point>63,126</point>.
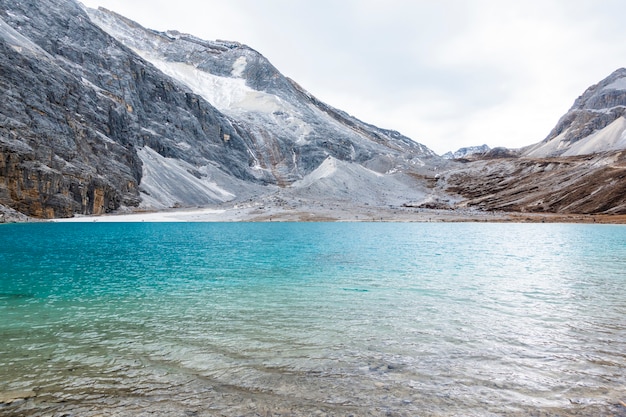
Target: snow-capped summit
<point>595,123</point>
<point>466,151</point>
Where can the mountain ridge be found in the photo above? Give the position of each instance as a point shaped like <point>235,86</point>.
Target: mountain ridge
<point>101,115</point>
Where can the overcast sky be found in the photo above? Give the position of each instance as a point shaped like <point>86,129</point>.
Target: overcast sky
<point>447,73</point>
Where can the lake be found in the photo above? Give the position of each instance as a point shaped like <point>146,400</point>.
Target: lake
<point>301,319</point>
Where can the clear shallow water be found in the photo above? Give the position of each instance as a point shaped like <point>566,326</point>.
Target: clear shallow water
<point>246,319</point>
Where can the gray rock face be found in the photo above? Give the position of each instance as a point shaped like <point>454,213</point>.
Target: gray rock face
<point>76,106</point>
<point>50,160</point>
<point>88,120</point>
<point>595,123</point>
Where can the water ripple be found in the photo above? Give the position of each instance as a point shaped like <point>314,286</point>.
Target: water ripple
<point>313,319</point>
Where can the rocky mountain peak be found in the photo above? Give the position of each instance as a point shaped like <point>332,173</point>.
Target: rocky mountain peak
<point>595,123</point>
<point>606,94</point>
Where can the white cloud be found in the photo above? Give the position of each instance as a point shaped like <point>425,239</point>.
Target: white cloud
<point>448,73</point>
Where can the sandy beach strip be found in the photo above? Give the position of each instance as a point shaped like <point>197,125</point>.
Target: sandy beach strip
<point>337,214</point>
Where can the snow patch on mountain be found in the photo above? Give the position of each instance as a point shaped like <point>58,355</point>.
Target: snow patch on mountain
<point>239,66</point>
<point>229,95</point>
<point>233,97</point>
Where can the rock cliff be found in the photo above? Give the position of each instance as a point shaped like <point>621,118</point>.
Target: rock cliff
<point>77,105</point>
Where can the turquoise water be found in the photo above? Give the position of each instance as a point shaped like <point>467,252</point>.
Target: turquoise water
<point>299,319</point>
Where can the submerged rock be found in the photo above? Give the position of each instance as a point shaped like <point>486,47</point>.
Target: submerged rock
<point>9,397</point>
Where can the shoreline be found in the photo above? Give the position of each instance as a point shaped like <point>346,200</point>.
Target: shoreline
<point>335,214</point>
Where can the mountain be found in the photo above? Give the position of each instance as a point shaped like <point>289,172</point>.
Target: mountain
<point>99,114</point>
<point>595,123</point>
<point>580,168</point>
<point>467,151</point>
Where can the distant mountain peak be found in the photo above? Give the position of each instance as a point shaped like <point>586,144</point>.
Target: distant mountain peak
<point>466,151</point>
